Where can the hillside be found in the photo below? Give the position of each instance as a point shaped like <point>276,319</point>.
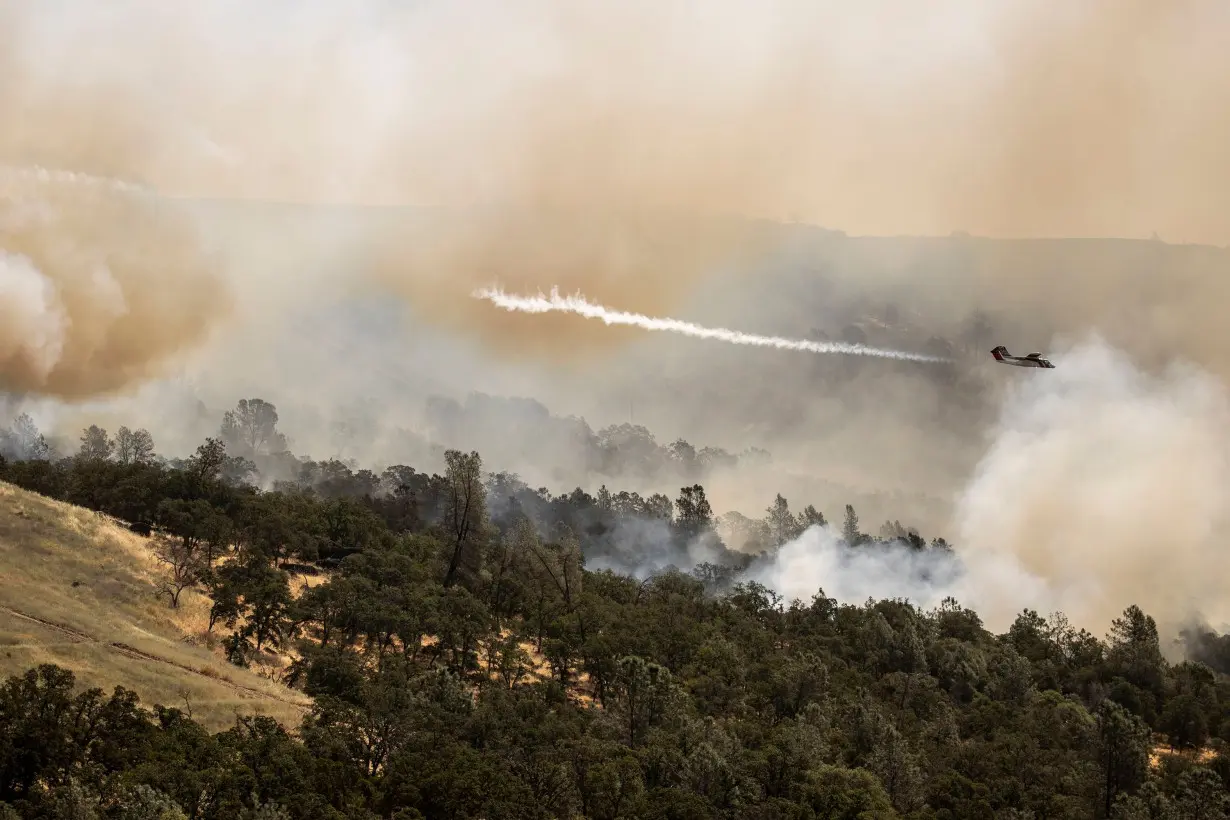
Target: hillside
<point>466,659</point>
<point>81,592</point>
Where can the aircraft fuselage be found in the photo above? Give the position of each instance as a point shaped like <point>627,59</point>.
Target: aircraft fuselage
<point>1002,355</point>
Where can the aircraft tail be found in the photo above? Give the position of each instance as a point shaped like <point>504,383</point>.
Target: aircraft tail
<point>999,352</point>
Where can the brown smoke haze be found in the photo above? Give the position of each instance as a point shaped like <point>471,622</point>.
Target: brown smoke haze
<point>612,148</point>
<point>96,292</point>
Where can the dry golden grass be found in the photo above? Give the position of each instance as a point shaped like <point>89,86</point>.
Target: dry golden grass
<point>79,591</point>
<point>301,583</point>
<point>1161,750</point>
<point>192,619</point>
<point>537,671</point>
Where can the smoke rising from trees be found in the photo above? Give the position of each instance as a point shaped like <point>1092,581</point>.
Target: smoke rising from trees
<point>1101,484</point>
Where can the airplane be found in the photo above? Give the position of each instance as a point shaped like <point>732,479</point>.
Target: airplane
<point>1032,360</point>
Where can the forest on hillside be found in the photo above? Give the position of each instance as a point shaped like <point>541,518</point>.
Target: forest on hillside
<point>466,659</point>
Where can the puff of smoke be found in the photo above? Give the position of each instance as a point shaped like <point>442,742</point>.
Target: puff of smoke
<point>820,560</point>
<point>32,321</point>
<point>642,547</point>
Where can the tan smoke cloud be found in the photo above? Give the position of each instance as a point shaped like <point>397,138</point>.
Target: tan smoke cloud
<point>95,292</point>
<point>1108,122</point>
<point>596,146</point>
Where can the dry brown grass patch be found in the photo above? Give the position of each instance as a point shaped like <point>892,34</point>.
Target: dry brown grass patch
<point>80,591</point>
<point>1161,749</point>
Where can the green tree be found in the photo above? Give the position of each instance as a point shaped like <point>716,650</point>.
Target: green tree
<point>605,502</point>
<point>95,445</point>
<point>1123,752</point>
<point>207,463</point>
<point>810,517</point>
<point>846,794</point>
<point>465,515</point>
<point>1184,722</point>
<point>200,527</point>
<point>252,429</point>
<point>647,696</point>
<point>268,600</point>
<point>134,447</point>
<point>142,802</point>
<point>850,532</point>
<point>694,516</point>
<point>1134,650</point>
<point>783,526</point>
<point>1200,795</point>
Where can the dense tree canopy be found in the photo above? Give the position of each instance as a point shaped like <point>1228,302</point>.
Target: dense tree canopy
<point>466,660</point>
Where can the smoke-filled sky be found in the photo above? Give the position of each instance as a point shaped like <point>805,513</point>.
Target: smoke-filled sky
<point>593,139</point>
<point>607,148</point>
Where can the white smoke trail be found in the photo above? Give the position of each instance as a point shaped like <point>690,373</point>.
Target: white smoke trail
<point>60,176</point>
<point>582,307</point>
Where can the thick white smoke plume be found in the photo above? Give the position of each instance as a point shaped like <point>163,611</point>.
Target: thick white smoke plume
<point>818,559</point>
<point>1102,487</point>
<point>31,315</point>
<point>579,305</point>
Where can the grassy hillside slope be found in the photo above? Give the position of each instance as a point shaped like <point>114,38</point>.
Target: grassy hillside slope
<point>82,592</point>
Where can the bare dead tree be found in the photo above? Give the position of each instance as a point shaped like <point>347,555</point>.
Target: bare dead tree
<point>186,562</point>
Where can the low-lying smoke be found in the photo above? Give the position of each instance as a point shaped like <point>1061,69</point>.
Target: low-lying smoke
<point>819,560</point>
<point>581,306</point>
<point>1102,487</point>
